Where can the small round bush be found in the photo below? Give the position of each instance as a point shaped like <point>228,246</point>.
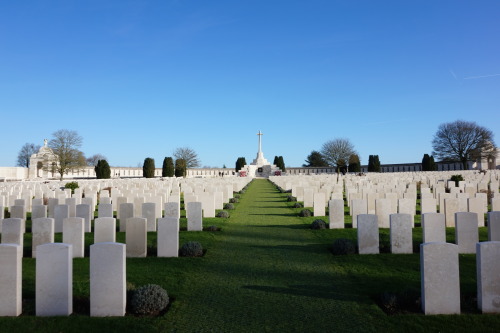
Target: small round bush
<point>233,200</point>
<point>318,224</point>
<point>191,249</point>
<point>150,300</point>
<point>305,213</point>
<point>237,196</point>
<point>298,205</point>
<point>291,198</point>
<point>223,214</point>
<point>342,246</point>
<point>228,206</point>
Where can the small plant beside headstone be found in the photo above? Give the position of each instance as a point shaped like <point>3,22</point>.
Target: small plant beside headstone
<point>222,214</point>
<point>228,206</point>
<point>148,300</point>
<point>343,246</point>
<point>305,213</point>
<point>318,224</point>
<point>191,249</point>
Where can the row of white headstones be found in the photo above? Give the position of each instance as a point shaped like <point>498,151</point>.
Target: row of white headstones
<point>389,201</point>
<point>107,258</point>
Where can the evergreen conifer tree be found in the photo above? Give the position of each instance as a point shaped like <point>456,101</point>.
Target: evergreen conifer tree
<point>148,168</point>
<point>168,167</point>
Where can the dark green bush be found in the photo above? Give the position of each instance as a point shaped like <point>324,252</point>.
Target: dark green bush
<point>102,170</point>
<point>318,224</point>
<point>72,186</point>
<point>456,179</point>
<point>291,198</point>
<point>222,214</point>
<point>228,206</point>
<point>298,205</point>
<point>343,246</point>
<point>237,196</point>
<point>148,168</point>
<point>150,300</point>
<point>233,200</point>
<point>191,249</point>
<point>305,213</point>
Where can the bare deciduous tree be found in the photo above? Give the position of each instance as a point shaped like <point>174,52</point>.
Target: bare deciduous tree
<point>92,160</point>
<point>23,158</point>
<point>189,155</point>
<point>462,141</point>
<point>65,144</point>
<point>336,152</point>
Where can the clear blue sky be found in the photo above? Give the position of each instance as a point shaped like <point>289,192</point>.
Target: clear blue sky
<point>138,79</point>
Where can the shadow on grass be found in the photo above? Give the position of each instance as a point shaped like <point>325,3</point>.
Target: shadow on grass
<point>316,291</point>
<point>287,226</point>
<point>309,248</point>
<point>270,214</point>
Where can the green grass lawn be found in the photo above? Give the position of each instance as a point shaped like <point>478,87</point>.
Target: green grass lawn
<point>265,271</point>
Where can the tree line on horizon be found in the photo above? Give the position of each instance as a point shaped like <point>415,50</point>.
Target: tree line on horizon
<point>458,141</point>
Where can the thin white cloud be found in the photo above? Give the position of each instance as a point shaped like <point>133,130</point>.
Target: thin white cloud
<point>480,77</point>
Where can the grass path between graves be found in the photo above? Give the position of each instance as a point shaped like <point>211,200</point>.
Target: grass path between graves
<point>266,271</point>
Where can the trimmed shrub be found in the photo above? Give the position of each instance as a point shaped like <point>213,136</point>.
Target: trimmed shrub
<point>298,205</point>
<point>102,170</point>
<point>148,168</point>
<point>291,198</point>
<point>343,246</point>
<point>228,206</point>
<point>456,179</point>
<point>318,224</point>
<point>191,249</point>
<point>237,196</point>
<point>168,169</point>
<point>72,186</point>
<point>233,200</point>
<point>305,213</point>
<point>150,300</point>
<point>222,214</point>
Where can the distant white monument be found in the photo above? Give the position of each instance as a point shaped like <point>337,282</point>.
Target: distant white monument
<point>260,167</point>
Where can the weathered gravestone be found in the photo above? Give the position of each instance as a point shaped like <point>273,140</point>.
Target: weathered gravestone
<point>368,238</point>
<point>401,233</point>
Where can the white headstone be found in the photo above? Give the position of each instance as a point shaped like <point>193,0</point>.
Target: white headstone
<point>83,211</point>
<point>319,204</point>
<point>401,233</point>
<point>73,233</point>
<point>466,232</point>
<point>11,256</point>
<point>38,211</point>
<point>61,212</point>
<point>368,238</point>
<point>336,214</point>
<point>108,294</point>
<point>149,213</point>
<point>494,226</point>
<point>194,217</point>
<point>104,230</point>
<point>105,210</point>
<point>42,230</point>
<point>440,284</point>
<point>433,228</point>
<point>168,237</point>
<point>358,206</point>
<point>136,237</point>
<point>488,276</point>
<point>126,212</point>
<point>383,208</point>
<point>12,231</point>
<point>54,280</point>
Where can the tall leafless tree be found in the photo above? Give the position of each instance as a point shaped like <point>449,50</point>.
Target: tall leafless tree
<point>189,155</point>
<point>92,160</point>
<point>23,158</point>
<point>65,144</point>
<point>336,152</point>
<point>462,141</point>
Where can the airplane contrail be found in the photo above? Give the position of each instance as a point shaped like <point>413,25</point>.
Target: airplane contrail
<point>480,77</point>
